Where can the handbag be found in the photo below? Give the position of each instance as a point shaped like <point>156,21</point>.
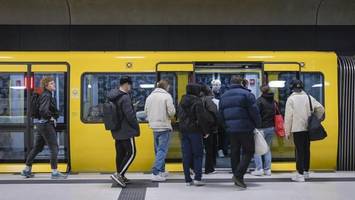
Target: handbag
<point>315,129</point>
<point>261,146</point>
<point>279,122</point>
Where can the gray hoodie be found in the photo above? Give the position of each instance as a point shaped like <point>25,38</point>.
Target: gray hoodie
<point>129,125</point>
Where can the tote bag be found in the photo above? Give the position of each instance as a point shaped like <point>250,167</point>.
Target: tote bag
<point>315,129</point>
<point>279,122</point>
<point>261,146</point>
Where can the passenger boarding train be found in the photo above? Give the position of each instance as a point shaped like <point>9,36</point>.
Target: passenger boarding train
<point>83,78</point>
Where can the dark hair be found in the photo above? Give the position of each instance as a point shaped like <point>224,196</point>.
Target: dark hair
<point>206,90</point>
<point>265,89</point>
<point>236,79</point>
<point>163,84</point>
<point>245,83</point>
<point>45,80</point>
<point>193,89</point>
<point>125,79</point>
<point>297,85</point>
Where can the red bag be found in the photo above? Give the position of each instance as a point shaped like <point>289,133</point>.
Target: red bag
<point>279,122</point>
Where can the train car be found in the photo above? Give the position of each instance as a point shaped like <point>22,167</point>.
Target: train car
<point>83,78</point>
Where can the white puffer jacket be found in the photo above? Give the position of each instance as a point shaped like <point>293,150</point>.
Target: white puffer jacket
<point>159,108</point>
<point>298,112</point>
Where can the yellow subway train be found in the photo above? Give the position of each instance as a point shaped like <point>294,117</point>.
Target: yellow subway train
<point>83,78</point>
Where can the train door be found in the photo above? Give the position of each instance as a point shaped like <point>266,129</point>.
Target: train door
<point>206,73</point>
<point>178,75</point>
<point>18,82</point>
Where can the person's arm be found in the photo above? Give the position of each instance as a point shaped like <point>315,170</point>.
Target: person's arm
<point>288,116</point>
<point>128,111</point>
<point>254,110</point>
<point>318,108</point>
<point>170,107</point>
<point>202,117</point>
<point>211,106</point>
<point>44,104</point>
<point>146,106</point>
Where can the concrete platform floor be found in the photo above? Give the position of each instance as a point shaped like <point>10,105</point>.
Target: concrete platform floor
<point>321,186</point>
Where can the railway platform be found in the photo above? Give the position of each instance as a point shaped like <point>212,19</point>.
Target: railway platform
<point>325,186</point>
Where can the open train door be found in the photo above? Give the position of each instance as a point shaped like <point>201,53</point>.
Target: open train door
<point>18,82</point>
<point>178,75</point>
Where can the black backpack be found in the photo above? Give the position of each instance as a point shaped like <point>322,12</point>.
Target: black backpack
<point>35,105</point>
<point>112,115</point>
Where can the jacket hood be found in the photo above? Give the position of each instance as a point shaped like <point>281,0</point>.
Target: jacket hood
<point>188,100</point>
<point>114,93</point>
<point>159,90</point>
<point>193,89</point>
<point>268,96</point>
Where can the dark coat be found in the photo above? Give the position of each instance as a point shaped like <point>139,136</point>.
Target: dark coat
<point>212,113</point>
<point>191,113</point>
<point>239,110</point>
<point>266,105</point>
<point>129,125</point>
<point>47,106</point>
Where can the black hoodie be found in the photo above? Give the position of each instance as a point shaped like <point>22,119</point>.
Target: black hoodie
<point>129,125</point>
<point>266,104</point>
<point>191,114</point>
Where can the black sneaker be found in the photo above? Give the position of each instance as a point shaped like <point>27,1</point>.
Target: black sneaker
<point>118,179</point>
<point>239,182</point>
<point>126,180</point>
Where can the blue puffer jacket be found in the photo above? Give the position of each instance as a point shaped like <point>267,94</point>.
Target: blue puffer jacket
<point>239,111</point>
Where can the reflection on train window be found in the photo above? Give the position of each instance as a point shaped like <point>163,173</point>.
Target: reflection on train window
<point>12,146</point>
<point>13,96</point>
<point>95,88</point>
<point>280,85</point>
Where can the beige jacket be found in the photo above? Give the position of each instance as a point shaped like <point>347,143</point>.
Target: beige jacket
<point>298,111</point>
<point>159,108</point>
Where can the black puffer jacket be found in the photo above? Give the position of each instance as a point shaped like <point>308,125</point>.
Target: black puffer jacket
<point>47,106</point>
<point>266,105</point>
<point>129,125</point>
<point>191,114</point>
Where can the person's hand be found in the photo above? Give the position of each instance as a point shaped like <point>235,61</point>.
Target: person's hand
<point>287,136</point>
<point>206,136</point>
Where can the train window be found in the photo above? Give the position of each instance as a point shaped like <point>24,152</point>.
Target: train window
<point>96,85</point>
<point>13,97</point>
<point>280,85</point>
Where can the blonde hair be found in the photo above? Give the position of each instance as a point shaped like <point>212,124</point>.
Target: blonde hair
<point>163,84</point>
<point>45,81</point>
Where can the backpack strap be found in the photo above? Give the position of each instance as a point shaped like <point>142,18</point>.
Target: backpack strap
<point>310,103</point>
<point>277,111</point>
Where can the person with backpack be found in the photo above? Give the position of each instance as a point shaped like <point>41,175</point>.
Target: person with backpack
<point>127,128</point>
<point>210,140</point>
<point>296,122</point>
<point>193,126</point>
<point>159,108</point>
<point>267,108</point>
<point>44,108</point>
<point>241,116</point>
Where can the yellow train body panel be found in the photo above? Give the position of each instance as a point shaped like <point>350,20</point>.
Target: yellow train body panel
<point>92,148</point>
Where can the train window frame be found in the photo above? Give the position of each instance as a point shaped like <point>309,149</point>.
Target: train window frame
<point>82,91</point>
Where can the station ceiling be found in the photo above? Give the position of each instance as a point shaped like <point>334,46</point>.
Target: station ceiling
<point>177,12</point>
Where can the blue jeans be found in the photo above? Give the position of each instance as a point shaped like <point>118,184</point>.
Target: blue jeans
<point>192,154</point>
<point>268,134</point>
<point>161,147</point>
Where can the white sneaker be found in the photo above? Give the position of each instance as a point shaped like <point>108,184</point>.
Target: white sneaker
<point>306,174</point>
<point>199,183</point>
<point>220,154</point>
<point>257,172</point>
<point>267,172</point>
<point>158,178</point>
<point>164,174</point>
<point>298,178</point>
